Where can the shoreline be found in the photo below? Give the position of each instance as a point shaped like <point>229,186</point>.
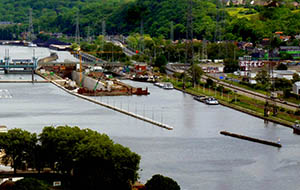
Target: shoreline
<point>243,110</point>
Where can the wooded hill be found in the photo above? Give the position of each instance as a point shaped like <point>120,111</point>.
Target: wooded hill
<point>125,17</point>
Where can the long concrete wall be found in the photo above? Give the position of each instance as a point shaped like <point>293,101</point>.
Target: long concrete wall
<point>88,82</point>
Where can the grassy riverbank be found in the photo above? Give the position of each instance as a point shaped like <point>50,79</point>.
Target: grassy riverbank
<point>241,103</point>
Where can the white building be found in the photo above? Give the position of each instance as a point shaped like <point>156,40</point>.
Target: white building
<point>284,74</point>
<point>296,87</point>
<point>212,68</point>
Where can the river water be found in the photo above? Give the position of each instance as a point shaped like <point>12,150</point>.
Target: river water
<point>194,153</point>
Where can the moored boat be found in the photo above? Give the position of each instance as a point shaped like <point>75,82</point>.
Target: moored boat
<point>167,86</point>
<point>207,100</point>
<point>296,128</point>
<point>211,101</point>
<point>164,85</point>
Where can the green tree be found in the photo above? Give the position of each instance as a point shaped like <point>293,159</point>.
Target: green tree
<point>196,72</point>
<point>282,84</point>
<point>19,147</point>
<point>161,62</point>
<point>230,65</point>
<point>93,159</point>
<point>262,77</point>
<point>159,182</point>
<point>296,78</point>
<point>282,66</point>
<point>30,184</point>
<point>286,56</point>
<point>210,83</point>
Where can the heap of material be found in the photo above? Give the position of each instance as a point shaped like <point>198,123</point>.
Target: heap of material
<point>52,57</point>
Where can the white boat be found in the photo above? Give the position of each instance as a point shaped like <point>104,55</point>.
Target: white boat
<point>211,101</point>
<point>167,86</point>
<point>32,45</point>
<point>159,84</point>
<point>164,85</point>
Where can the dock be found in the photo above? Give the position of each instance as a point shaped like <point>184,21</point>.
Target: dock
<point>165,126</point>
<point>24,81</point>
<point>251,139</point>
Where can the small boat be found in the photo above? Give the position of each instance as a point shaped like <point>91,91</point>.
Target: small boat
<point>296,128</point>
<point>164,85</point>
<point>167,86</point>
<point>211,101</point>
<point>32,44</point>
<point>159,84</point>
<point>200,98</point>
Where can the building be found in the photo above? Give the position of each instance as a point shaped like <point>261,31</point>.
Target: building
<point>212,68</point>
<point>138,186</point>
<point>296,87</point>
<point>284,74</point>
<point>294,51</point>
<point>140,68</point>
<point>248,65</point>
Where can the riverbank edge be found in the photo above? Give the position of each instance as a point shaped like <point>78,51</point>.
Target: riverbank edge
<point>246,111</point>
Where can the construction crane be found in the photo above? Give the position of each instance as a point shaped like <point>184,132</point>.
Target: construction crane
<point>79,53</point>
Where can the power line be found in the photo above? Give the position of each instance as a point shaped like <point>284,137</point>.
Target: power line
<point>172,31</point>
<point>189,32</point>
<point>88,34</point>
<point>30,26</point>
<point>77,32</point>
<point>103,33</point>
<point>142,36</point>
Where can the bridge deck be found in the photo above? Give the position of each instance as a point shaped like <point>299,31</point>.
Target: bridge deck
<point>17,66</point>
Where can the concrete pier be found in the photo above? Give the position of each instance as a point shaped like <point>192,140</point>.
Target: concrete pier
<point>115,108</point>
<point>24,81</point>
<point>251,139</point>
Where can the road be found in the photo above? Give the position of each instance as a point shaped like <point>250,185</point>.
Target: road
<point>254,95</point>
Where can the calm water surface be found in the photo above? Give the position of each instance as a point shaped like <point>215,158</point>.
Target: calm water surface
<point>194,153</point>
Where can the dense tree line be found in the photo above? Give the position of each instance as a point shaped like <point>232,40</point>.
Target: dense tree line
<point>126,16</point>
<point>90,160</point>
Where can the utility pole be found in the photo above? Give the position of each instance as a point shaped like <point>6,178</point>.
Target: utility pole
<point>30,26</point>
<point>142,35</point>
<point>219,26</point>
<point>103,33</point>
<point>88,34</point>
<point>189,37</point>
<point>77,33</point>
<point>172,31</point>
<point>204,49</point>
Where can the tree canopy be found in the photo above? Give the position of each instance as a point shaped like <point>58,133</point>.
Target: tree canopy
<point>210,20</point>
<point>160,182</point>
<point>91,159</point>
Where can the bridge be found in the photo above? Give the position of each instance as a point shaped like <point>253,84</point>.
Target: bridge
<point>85,57</point>
<point>25,64</point>
<point>103,64</point>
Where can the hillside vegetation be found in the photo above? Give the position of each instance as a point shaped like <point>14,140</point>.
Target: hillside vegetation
<point>125,17</point>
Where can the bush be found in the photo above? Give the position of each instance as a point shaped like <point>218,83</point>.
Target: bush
<point>220,88</point>
<point>210,83</point>
<point>282,109</point>
<point>30,184</point>
<point>159,182</point>
<point>297,112</point>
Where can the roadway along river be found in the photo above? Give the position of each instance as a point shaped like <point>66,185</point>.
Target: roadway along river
<point>194,153</point>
